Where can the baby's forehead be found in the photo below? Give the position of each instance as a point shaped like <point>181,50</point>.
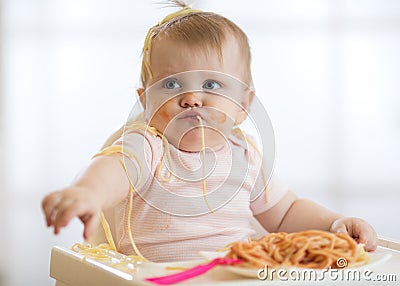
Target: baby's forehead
<point>199,34</point>
<point>169,56</point>
<point>191,46</point>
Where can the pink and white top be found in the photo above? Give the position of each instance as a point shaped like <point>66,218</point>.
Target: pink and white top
<point>171,219</point>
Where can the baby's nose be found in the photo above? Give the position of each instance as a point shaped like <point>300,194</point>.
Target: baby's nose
<point>191,99</point>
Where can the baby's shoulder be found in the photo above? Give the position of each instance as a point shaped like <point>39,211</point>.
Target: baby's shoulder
<point>138,130</point>
<point>137,137</point>
<point>240,138</point>
<point>246,143</point>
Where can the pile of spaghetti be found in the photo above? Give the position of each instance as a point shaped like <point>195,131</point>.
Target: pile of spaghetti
<point>307,249</point>
<point>108,255</point>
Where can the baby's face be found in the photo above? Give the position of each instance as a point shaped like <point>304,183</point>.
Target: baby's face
<point>189,89</point>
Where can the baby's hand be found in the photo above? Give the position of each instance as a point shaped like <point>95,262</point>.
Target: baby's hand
<point>60,207</point>
<point>357,228</point>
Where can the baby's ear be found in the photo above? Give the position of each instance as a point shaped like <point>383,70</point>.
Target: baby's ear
<point>142,97</point>
<point>242,115</point>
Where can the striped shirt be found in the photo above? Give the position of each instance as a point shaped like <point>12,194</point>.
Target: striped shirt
<point>172,218</point>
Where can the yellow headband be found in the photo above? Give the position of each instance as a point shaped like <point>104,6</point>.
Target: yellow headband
<point>152,33</point>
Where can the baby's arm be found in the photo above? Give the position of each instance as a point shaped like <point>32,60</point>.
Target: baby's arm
<point>103,184</point>
<point>292,214</point>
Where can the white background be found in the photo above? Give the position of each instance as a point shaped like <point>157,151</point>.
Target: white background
<point>327,72</point>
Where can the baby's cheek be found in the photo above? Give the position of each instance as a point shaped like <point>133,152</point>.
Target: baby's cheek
<point>219,117</point>
<point>225,113</point>
<point>165,114</point>
<point>159,120</point>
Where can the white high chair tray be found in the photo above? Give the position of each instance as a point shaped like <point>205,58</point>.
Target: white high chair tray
<point>71,269</point>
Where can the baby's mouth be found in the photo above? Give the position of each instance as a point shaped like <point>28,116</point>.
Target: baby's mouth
<point>191,115</point>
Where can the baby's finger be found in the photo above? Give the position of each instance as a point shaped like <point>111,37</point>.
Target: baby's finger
<point>71,210</point>
<point>60,218</point>
<point>49,207</point>
<point>372,244</point>
<point>367,236</point>
<point>339,227</point>
<point>90,224</point>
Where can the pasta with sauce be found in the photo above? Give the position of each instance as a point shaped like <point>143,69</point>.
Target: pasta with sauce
<point>306,249</point>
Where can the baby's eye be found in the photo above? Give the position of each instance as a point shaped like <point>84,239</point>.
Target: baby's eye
<point>171,84</point>
<point>211,84</point>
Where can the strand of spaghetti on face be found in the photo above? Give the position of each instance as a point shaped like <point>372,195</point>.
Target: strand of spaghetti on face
<point>307,249</point>
<point>203,167</point>
<point>153,32</point>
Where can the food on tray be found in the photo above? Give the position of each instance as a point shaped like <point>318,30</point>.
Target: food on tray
<point>306,249</point>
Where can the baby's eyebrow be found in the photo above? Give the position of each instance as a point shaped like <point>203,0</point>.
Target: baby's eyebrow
<point>156,79</point>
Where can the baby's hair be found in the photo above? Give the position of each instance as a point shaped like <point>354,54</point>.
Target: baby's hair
<point>200,30</point>
<point>174,3</point>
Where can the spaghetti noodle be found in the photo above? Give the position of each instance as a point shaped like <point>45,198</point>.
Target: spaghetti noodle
<point>203,181</point>
<point>103,252</point>
<point>307,249</point>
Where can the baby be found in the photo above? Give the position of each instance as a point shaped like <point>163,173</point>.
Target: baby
<point>183,177</point>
